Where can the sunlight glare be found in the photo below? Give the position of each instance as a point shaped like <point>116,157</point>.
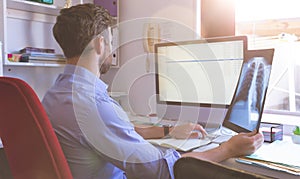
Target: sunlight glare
<point>253,10</point>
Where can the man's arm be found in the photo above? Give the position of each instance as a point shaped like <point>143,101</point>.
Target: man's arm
<point>149,131</point>
<point>188,130</point>
<point>239,145</point>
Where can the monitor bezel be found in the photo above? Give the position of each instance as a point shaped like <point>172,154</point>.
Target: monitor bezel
<point>198,41</point>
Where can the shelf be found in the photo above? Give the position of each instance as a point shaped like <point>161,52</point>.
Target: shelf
<point>24,64</point>
<point>33,7</point>
<point>8,63</point>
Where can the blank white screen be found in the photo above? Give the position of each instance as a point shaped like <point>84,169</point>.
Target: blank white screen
<point>205,73</point>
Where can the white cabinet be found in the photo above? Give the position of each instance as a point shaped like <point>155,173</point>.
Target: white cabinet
<point>29,24</point>
<point>26,23</point>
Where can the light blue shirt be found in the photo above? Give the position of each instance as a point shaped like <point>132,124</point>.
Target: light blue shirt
<point>95,133</point>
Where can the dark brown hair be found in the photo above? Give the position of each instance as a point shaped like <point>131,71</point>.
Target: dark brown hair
<point>76,26</point>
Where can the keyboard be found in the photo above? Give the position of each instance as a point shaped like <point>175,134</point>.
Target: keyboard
<point>221,135</point>
<point>221,138</point>
<point>216,135</point>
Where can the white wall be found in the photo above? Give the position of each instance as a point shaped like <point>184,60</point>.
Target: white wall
<point>177,21</point>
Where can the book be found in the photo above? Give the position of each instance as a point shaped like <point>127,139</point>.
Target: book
<point>42,59</point>
<point>35,49</point>
<point>37,57</point>
<point>14,57</point>
<point>45,61</point>
<point>180,144</point>
<point>43,54</point>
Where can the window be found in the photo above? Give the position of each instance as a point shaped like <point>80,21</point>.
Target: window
<point>275,24</point>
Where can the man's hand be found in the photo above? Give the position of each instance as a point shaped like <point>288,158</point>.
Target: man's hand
<point>188,130</point>
<point>244,143</point>
<point>239,145</point>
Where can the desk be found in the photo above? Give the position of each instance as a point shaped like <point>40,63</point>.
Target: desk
<point>261,170</point>
<point>232,161</point>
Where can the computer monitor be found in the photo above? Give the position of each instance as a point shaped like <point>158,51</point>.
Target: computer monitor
<point>197,73</point>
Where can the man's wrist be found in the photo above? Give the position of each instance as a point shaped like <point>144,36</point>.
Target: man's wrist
<point>166,129</point>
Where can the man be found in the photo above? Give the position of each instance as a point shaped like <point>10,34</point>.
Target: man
<point>95,133</point>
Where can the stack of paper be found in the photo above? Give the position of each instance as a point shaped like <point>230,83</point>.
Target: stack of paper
<point>279,155</point>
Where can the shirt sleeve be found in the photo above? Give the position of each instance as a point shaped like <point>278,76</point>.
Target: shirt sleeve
<point>107,130</point>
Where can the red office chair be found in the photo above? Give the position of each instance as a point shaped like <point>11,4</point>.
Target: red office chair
<point>30,144</point>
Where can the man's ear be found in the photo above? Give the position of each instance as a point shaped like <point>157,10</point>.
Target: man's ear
<point>98,44</point>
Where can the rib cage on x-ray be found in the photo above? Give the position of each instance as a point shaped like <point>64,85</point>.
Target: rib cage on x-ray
<point>252,86</point>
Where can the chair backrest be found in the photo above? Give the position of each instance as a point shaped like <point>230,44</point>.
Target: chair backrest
<point>193,168</point>
<point>29,141</point>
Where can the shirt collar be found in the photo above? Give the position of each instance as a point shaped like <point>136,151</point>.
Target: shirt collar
<point>83,74</point>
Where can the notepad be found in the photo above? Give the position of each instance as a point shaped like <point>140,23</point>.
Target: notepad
<point>180,144</point>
